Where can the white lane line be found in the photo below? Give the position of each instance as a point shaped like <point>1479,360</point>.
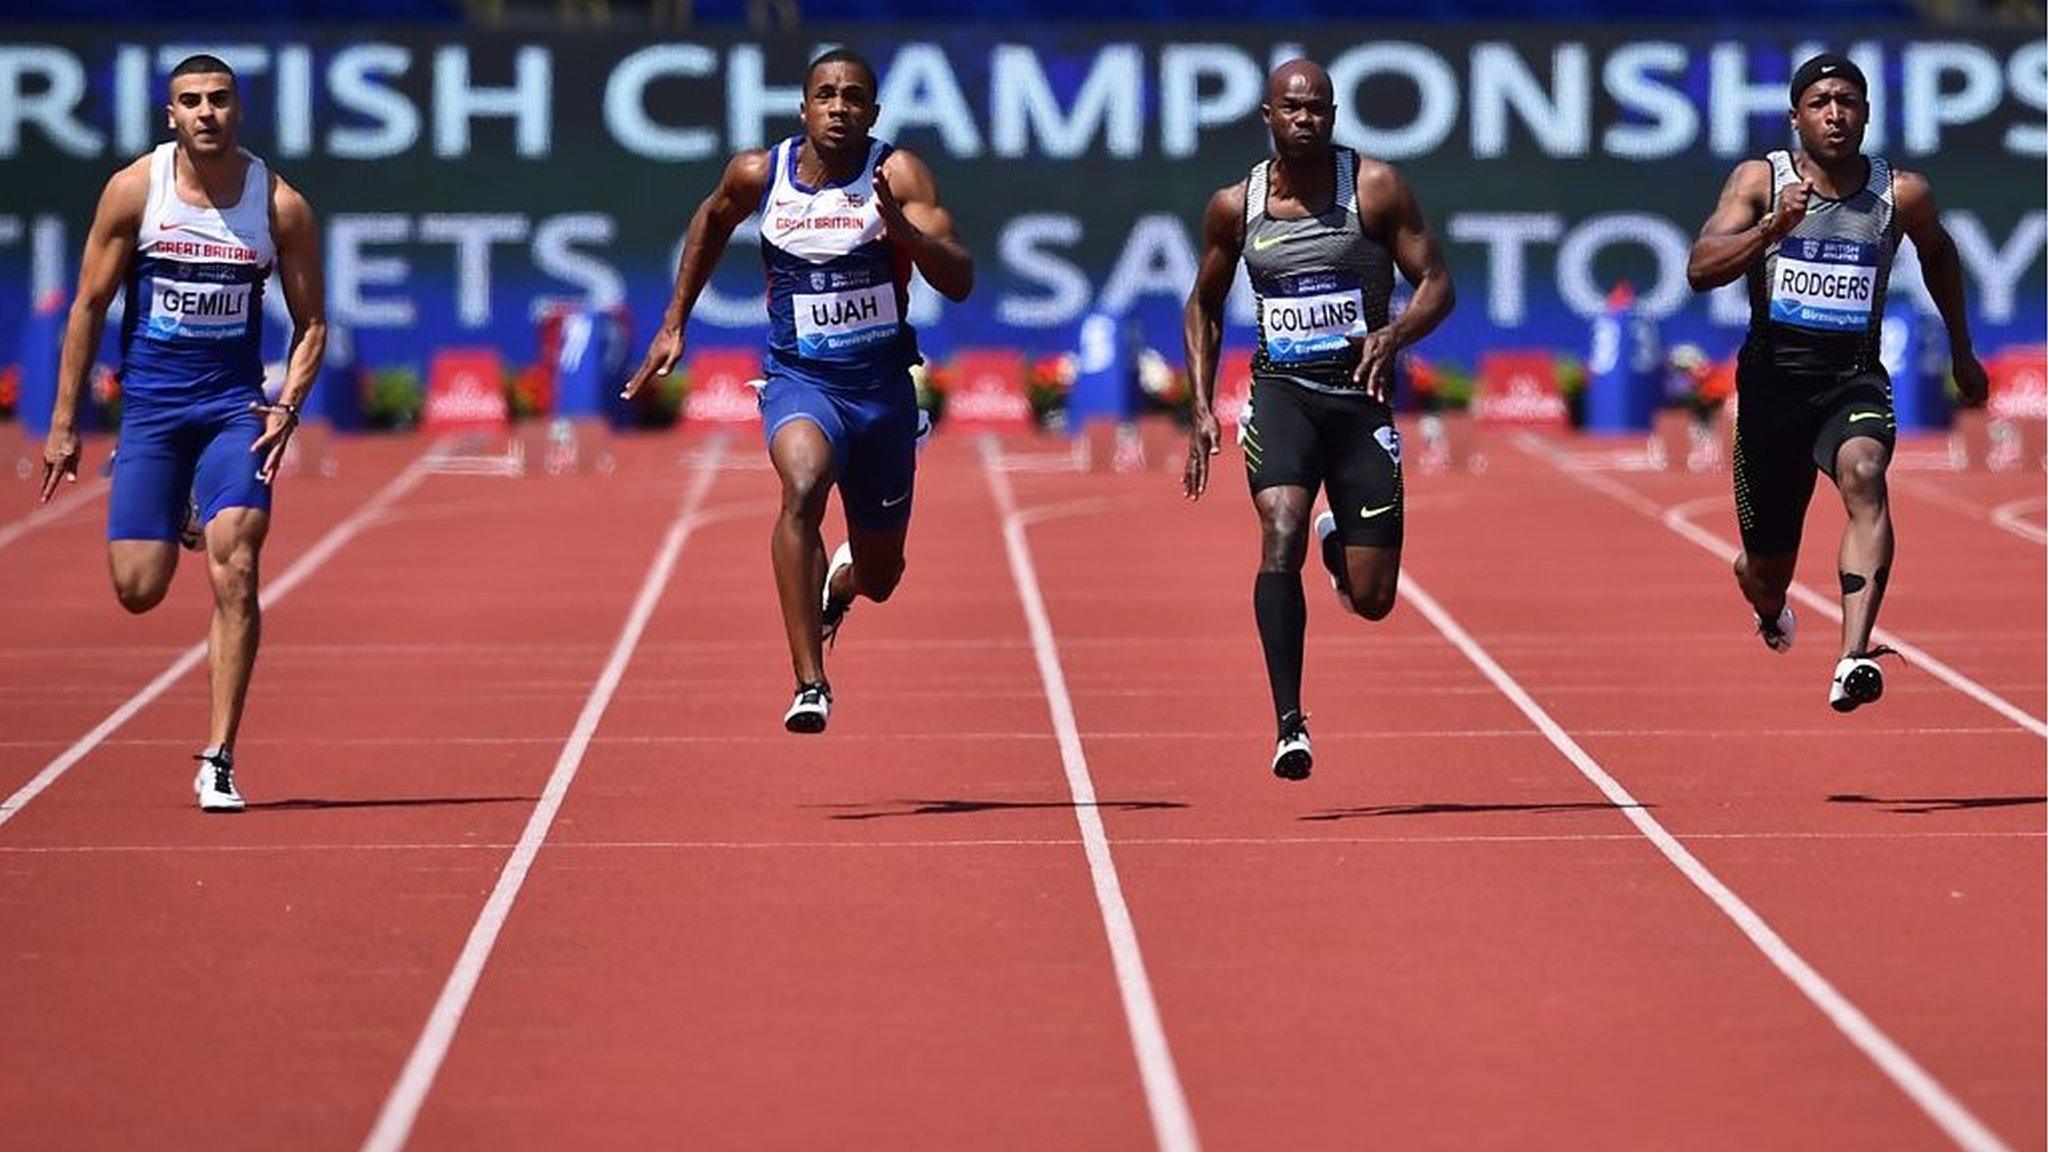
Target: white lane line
<point>319,554</point>
<point>1195,734</point>
<point>1173,1126</point>
<point>1674,519</point>
<point>1019,842</point>
<point>402,1107</point>
<point>52,512</point>
<point>2011,516</point>
<point>1945,1110</point>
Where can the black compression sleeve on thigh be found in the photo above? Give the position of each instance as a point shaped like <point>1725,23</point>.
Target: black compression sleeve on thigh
<point>1282,613</point>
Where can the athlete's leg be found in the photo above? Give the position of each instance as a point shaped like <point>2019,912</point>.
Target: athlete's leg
<point>1368,577</point>
<point>1277,601</point>
<point>152,481</point>
<point>876,488</point>
<point>802,455</point>
<point>1866,555</point>
<point>877,565</point>
<point>1362,466</point>
<point>234,547</point>
<point>142,571</point>
<point>1774,475</point>
<point>1764,580</point>
<point>234,507</point>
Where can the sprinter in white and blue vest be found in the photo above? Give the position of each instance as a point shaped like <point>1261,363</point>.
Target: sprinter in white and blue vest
<point>189,233</point>
<point>1321,230</point>
<point>844,220</point>
<point>1814,231</point>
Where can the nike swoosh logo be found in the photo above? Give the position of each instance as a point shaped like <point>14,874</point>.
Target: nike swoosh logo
<point>1369,513</point>
<point>896,501</point>
<point>1855,416</point>
<point>1265,242</point>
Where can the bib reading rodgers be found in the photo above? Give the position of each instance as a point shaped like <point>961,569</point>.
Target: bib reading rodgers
<point>1816,297</point>
<point>1826,285</point>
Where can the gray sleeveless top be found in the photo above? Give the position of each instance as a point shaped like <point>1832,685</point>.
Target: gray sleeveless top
<point>1318,280</point>
<point>1816,299</point>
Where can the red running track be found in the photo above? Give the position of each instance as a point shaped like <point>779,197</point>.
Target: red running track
<point>895,936</point>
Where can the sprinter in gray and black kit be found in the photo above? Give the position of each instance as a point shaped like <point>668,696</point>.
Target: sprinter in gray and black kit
<point>1815,232</point>
<point>1320,229</point>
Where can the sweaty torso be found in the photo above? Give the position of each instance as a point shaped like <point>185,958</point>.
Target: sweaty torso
<point>1817,296</point>
<point>1320,280</point>
<point>193,325</point>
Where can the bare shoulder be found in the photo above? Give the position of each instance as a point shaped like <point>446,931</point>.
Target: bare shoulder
<point>1227,201</point>
<point>1752,178</point>
<point>287,204</point>
<point>1912,198</point>
<point>907,171</point>
<point>748,172</point>
<point>1378,179</point>
<point>1223,219</point>
<point>127,191</point>
<point>1908,185</point>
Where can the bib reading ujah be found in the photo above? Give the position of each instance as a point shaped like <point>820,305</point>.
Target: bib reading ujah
<point>839,325</point>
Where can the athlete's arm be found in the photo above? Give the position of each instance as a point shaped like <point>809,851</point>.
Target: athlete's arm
<point>297,236</point>
<point>1735,236</point>
<point>908,199</point>
<point>1201,327</point>
<point>1943,273</point>
<point>737,195</point>
<point>1386,201</point>
<point>109,246</point>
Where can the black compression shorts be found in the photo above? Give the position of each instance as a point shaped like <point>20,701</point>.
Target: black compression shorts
<point>1299,437</point>
<point>1788,431</point>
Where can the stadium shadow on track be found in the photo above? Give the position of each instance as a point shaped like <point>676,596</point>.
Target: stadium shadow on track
<point>1447,809</point>
<point>969,807</point>
<point>1920,805</point>
<point>312,804</point>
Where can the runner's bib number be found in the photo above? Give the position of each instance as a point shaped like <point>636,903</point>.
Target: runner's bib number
<point>197,310</point>
<point>1829,285</point>
<point>1310,327</point>
<point>838,325</point>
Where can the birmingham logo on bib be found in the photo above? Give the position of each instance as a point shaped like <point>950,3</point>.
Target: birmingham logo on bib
<point>1309,317</point>
<point>838,325</point>
<point>203,311</point>
<point>1828,285</point>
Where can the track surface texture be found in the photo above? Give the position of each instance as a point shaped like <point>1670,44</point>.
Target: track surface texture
<point>530,864</point>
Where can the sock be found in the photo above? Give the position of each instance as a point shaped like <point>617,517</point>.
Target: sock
<point>1282,613</point>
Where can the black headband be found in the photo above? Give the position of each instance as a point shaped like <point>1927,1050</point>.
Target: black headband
<point>1828,66</point>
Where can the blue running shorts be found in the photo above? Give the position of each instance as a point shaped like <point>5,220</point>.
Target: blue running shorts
<point>873,432</point>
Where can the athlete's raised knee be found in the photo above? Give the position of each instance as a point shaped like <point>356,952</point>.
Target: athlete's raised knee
<point>1375,603</point>
<point>878,578</point>
<point>1861,478</point>
<point>140,596</point>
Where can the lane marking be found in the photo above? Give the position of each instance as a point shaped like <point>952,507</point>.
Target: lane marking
<point>2011,516</point>
<point>402,1107</point>
<point>1675,519</point>
<point>1024,842</point>
<point>52,512</point>
<point>315,557</point>
<point>1944,1109</point>
<point>1173,1126</point>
